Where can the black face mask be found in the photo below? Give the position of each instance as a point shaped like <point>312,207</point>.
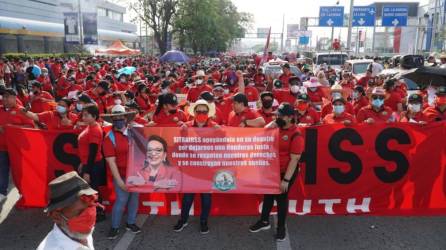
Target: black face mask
<point>172,111</point>
<point>280,122</point>
<point>36,92</point>
<point>267,104</point>
<point>102,93</point>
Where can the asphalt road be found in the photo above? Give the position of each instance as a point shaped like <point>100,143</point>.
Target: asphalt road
<point>24,229</point>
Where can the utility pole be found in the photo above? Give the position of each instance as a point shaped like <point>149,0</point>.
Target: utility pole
<point>350,19</point>
<point>283,30</point>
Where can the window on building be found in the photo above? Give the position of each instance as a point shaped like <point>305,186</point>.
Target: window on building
<point>102,12</point>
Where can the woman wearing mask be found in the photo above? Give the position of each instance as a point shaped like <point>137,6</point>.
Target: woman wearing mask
<point>200,86</point>
<point>92,168</point>
<point>359,99</point>
<point>167,113</point>
<point>116,149</point>
<point>60,119</point>
<point>291,146</point>
<point>376,111</point>
<point>315,92</point>
<point>339,113</point>
<point>267,111</point>
<point>306,115</point>
<point>414,113</point>
<point>201,111</point>
<point>336,92</point>
<point>142,98</point>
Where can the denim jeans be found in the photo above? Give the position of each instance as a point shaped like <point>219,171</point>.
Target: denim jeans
<point>188,199</point>
<point>124,198</point>
<point>4,172</point>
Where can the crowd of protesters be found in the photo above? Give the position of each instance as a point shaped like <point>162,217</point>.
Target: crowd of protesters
<point>92,93</point>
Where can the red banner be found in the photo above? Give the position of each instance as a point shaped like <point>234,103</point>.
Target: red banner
<point>380,169</point>
<point>203,160</point>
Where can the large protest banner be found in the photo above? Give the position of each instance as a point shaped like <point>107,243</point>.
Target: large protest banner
<point>381,169</point>
<point>204,160</point>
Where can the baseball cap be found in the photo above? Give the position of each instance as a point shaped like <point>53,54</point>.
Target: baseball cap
<point>285,109</point>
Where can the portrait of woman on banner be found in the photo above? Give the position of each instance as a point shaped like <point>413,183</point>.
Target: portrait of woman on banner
<point>156,172</point>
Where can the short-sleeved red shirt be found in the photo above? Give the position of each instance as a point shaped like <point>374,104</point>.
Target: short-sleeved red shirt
<point>434,114</point>
<point>194,93</point>
<point>12,116</point>
<point>90,135</point>
<point>225,107</point>
<point>393,100</point>
<point>284,95</point>
<point>251,93</point>
<point>39,106</point>
<point>235,120</point>
<point>383,115</point>
<point>328,108</point>
<point>291,142</point>
<point>120,149</point>
<point>168,120</point>
<point>418,117</point>
<point>311,116</point>
<point>360,103</point>
<point>316,96</point>
<point>332,119</point>
<point>53,120</point>
<point>268,117</point>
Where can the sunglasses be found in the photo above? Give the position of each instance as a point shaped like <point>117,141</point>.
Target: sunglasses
<point>378,97</point>
<point>203,112</point>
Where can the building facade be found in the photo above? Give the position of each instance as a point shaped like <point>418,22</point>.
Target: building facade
<point>37,26</point>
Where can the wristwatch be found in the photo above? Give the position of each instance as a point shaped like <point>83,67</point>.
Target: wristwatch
<point>285,180</point>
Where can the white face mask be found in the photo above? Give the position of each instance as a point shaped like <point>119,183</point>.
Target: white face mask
<point>414,107</point>
<point>226,91</point>
<point>355,95</point>
<point>118,101</point>
<point>199,81</point>
<point>164,91</point>
<point>123,80</point>
<point>294,89</point>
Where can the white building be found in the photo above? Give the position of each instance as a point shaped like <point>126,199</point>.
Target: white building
<point>37,26</point>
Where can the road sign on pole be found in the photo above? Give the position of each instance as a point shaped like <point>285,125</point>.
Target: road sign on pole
<point>331,16</point>
<point>363,16</point>
<point>394,16</point>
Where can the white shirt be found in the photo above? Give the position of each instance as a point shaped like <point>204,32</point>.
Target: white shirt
<point>57,240</point>
<point>376,69</point>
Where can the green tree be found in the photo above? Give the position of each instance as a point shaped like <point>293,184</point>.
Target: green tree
<point>158,15</point>
<point>209,25</point>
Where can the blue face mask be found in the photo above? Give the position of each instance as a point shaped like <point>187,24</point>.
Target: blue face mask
<point>119,124</point>
<point>338,109</point>
<point>61,109</point>
<point>79,107</point>
<point>377,103</point>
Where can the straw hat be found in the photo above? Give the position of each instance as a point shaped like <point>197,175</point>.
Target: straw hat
<point>118,110</point>
<point>211,107</point>
<point>312,83</point>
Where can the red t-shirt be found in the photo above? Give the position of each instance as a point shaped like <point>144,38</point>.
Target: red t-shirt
<point>368,112</point>
<point>235,120</point>
<point>120,150</point>
<point>360,103</point>
<point>311,116</point>
<point>284,95</point>
<point>143,103</point>
<point>251,93</point>
<point>332,119</point>
<point>39,106</point>
<point>53,120</point>
<point>433,114</point>
<point>194,93</point>
<point>225,107</point>
<point>12,116</point>
<point>168,120</point>
<point>291,142</point>
<point>418,117</point>
<point>393,100</point>
<point>91,134</point>
<point>285,79</point>
<point>268,117</point>
<point>316,96</point>
<point>364,81</point>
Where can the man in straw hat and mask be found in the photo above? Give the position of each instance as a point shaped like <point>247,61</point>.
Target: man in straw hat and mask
<point>116,150</point>
<point>72,207</point>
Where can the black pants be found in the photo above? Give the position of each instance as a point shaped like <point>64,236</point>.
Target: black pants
<point>282,204</point>
<point>98,174</point>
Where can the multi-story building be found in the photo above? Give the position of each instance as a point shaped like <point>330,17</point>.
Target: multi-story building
<point>37,26</point>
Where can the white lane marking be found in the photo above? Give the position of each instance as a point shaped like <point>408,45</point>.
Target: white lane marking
<point>128,237</point>
<point>282,245</point>
<point>11,199</point>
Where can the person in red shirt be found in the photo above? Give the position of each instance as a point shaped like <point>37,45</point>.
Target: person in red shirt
<point>336,92</point>
<point>40,100</point>
<point>359,99</point>
<point>242,115</point>
<point>251,93</point>
<point>339,113</point>
<point>10,114</point>
<point>364,81</point>
<point>437,112</point>
<point>376,111</point>
<point>414,113</point>
<point>315,92</point>
<point>267,111</point>
<point>139,120</point>
<point>116,150</point>
<point>142,97</point>
<point>45,80</point>
<point>223,103</point>
<point>99,95</point>
<point>285,76</point>
<point>218,116</point>
<point>291,146</point>
<point>92,168</point>
<point>286,95</point>
<point>60,119</point>
<point>306,115</point>
<point>167,113</point>
<point>394,99</point>
<point>259,77</point>
<point>200,87</point>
